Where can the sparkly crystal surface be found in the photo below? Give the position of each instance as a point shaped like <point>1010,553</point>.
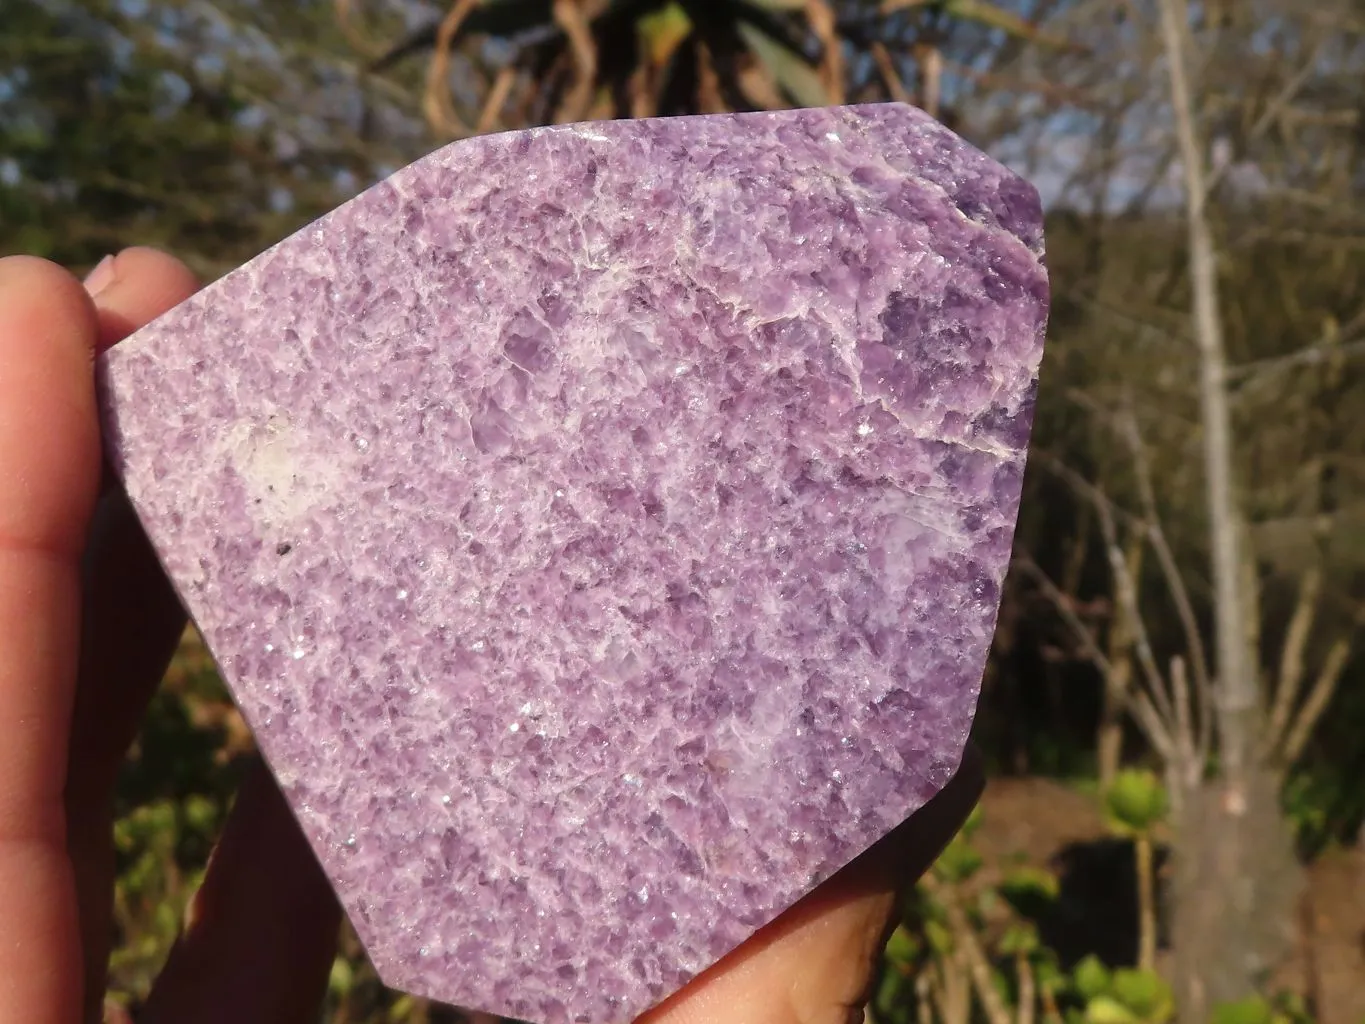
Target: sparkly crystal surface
<point>602,527</point>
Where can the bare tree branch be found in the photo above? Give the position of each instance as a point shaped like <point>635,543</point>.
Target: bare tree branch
<point>1126,588</point>
<point>1291,674</point>
<point>353,35</point>
<point>571,19</point>
<point>1237,701</point>
<point>1271,113</point>
<point>436,102</point>
<point>1194,757</point>
<point>886,67</point>
<point>1313,355</point>
<point>822,22</point>
<point>1148,719</point>
<point>1175,581</point>
<point>1319,697</point>
<point>964,936</point>
<point>503,85</point>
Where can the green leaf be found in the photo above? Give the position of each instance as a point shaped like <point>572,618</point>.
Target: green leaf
<point>993,16</point>
<point>940,939</point>
<point>902,949</point>
<point>341,979</point>
<point>662,30</point>
<point>1019,940</point>
<point>1106,1010</point>
<point>1091,978</point>
<point>1144,992</point>
<point>892,1001</point>
<point>789,69</point>
<point>958,862</point>
<point>1251,1010</point>
<point>1030,890</point>
<point>1048,973</point>
<point>1136,801</point>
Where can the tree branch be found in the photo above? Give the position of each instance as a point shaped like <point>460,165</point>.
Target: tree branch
<point>1271,113</point>
<point>436,103</point>
<point>886,67</point>
<point>964,936</point>
<point>1319,697</point>
<point>1237,698</point>
<point>1175,582</point>
<point>1138,703</point>
<point>571,19</point>
<point>1291,674</point>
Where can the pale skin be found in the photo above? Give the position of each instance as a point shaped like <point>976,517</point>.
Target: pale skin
<point>87,625</point>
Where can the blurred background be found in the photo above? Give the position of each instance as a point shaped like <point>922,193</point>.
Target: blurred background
<point>1174,714</point>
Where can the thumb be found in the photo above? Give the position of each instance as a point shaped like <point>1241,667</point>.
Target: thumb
<point>815,963</point>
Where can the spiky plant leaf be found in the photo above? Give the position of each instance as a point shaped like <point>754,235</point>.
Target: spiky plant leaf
<point>790,70</point>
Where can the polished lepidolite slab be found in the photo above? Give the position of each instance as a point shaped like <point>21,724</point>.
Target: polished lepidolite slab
<point>602,527</point>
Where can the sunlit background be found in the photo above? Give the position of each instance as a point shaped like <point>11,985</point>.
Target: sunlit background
<point>1094,884</point>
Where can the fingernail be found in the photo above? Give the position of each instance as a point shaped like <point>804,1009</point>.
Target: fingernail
<point>101,277</point>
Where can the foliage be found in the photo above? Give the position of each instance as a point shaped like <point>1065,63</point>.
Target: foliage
<point>213,129</point>
<point>561,60</point>
<point>173,797</point>
<point>1136,802</point>
<point>928,961</point>
<point>114,132</point>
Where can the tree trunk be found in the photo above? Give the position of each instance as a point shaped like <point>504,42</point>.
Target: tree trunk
<point>1235,887</point>
<point>1236,877</point>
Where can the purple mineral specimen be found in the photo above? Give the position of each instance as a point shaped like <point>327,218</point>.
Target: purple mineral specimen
<point>602,527</point>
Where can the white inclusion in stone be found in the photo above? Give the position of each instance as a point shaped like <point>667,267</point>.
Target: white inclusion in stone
<point>402,595</point>
<point>350,839</point>
<point>631,780</point>
<point>514,727</point>
<point>477,645</point>
<point>269,648</point>
<point>864,429</point>
<point>837,776</point>
<point>445,799</point>
<point>833,137</point>
<point>298,654</point>
<point>680,369</point>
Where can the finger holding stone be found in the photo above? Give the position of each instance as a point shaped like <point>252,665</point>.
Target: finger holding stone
<point>815,963</point>
<point>135,287</point>
<point>131,622</point>
<point>49,474</point>
<point>261,933</point>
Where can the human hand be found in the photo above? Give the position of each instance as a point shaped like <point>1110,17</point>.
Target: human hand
<point>88,623</point>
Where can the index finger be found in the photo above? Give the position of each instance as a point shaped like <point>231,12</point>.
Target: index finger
<point>49,475</point>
